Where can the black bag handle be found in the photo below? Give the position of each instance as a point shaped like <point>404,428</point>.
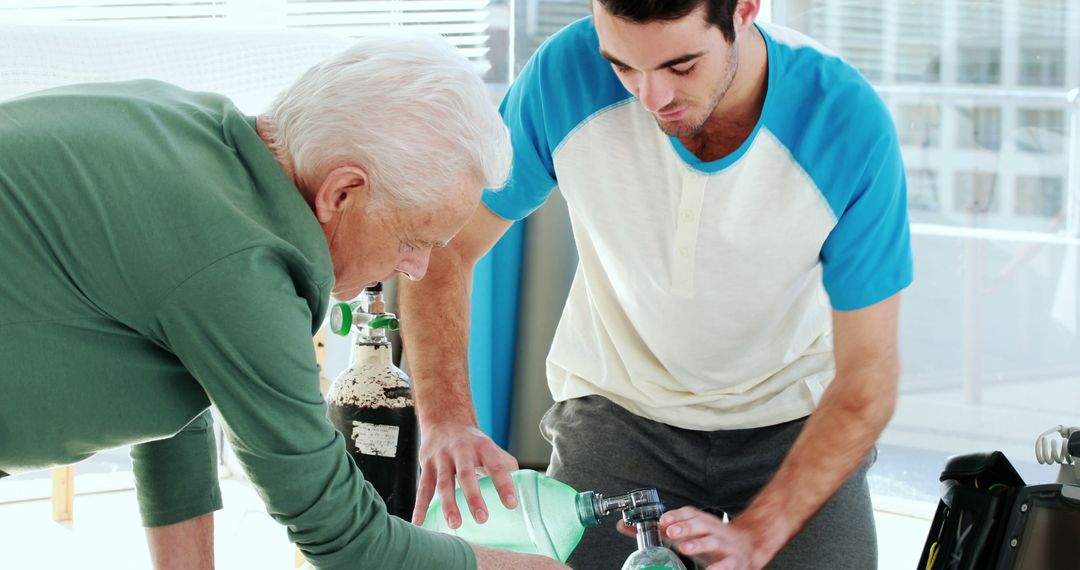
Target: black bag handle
<point>976,492</point>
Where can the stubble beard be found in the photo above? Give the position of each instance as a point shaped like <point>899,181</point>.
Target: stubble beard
<point>694,125</point>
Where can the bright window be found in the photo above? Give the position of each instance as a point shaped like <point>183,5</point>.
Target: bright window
<point>989,332</point>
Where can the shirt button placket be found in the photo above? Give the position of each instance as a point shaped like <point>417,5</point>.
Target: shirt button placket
<point>686,230</point>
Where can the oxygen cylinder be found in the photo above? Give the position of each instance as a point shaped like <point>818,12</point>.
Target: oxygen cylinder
<point>371,403</point>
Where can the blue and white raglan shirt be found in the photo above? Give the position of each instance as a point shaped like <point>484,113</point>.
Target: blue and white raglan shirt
<point>704,290</point>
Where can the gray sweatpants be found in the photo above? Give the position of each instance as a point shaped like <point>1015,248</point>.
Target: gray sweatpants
<point>602,447</point>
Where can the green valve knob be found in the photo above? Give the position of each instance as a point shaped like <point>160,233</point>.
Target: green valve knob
<point>340,319</point>
<point>384,322</point>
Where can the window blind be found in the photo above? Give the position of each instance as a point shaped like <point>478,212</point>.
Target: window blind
<point>463,22</point>
<point>177,11</point>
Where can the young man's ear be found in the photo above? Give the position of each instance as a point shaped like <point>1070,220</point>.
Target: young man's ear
<point>746,12</point>
<point>339,189</point>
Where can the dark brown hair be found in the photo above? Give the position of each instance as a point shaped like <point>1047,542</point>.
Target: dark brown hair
<point>720,13</point>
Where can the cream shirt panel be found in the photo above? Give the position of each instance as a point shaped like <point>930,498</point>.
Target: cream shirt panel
<point>698,300</point>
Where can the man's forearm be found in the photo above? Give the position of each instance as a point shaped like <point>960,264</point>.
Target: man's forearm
<point>435,315</point>
<point>184,545</point>
<point>835,441</point>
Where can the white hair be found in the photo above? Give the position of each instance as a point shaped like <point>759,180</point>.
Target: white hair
<point>411,110</point>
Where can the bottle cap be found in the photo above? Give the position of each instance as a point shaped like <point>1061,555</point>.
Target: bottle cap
<point>388,322</point>
<point>644,513</point>
<point>588,510</point>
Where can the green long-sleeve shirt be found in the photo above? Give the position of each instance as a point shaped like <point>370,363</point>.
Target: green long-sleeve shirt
<point>155,259</point>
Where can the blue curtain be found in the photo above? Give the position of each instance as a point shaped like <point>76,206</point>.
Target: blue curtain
<point>493,336</point>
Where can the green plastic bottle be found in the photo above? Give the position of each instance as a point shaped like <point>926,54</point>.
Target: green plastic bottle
<point>549,519</point>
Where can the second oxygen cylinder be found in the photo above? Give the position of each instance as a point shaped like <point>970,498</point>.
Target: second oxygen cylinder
<point>371,403</point>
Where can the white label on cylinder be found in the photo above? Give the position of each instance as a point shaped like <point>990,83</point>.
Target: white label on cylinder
<point>375,439</point>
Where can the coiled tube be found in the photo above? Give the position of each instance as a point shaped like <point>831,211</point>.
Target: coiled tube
<point>1052,446</point>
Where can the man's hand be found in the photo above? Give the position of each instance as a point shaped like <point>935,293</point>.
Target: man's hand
<point>834,442</point>
<point>436,340</point>
<point>704,537</point>
<point>493,559</point>
<point>458,451</point>
<point>708,539</point>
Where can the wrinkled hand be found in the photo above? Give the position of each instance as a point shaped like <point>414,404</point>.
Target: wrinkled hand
<point>494,559</point>
<point>457,451</point>
<point>709,540</point>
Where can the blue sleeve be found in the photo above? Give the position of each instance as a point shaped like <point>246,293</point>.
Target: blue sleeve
<point>532,176</point>
<point>867,256</point>
<point>564,84</point>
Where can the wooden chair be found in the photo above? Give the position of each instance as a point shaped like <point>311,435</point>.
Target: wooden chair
<point>63,493</point>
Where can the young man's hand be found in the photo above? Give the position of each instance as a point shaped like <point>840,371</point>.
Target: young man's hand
<point>705,538</point>
<point>708,539</point>
<point>452,453</point>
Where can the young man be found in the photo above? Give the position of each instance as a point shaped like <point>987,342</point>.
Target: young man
<point>738,204</point>
<point>162,252</point>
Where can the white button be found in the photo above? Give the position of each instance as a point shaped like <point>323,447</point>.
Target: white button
<point>688,215</point>
<point>684,251</point>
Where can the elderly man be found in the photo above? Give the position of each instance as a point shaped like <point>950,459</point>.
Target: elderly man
<point>162,252</point>
<point>739,209</point>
